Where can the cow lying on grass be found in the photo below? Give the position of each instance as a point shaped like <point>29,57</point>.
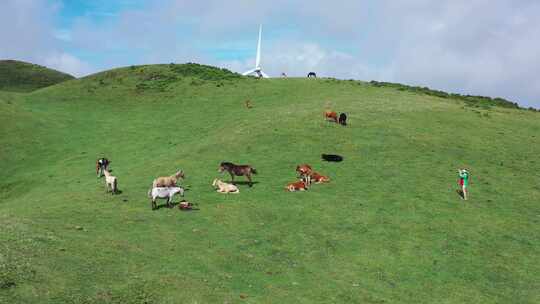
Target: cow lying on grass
<point>168,181</point>
<point>164,192</point>
<point>301,185</point>
<point>332,157</point>
<point>319,179</point>
<point>223,187</point>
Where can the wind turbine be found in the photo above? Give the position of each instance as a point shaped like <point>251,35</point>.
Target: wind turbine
<point>257,70</point>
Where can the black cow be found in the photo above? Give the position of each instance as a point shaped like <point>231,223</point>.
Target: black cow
<point>342,119</point>
<point>332,157</point>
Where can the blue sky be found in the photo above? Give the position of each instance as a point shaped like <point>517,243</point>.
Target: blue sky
<point>466,46</point>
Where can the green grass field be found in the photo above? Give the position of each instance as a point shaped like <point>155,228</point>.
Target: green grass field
<point>388,228</point>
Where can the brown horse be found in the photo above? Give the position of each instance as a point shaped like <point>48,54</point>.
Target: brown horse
<point>238,170</point>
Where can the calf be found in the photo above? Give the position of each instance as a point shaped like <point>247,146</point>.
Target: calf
<point>331,116</point>
<point>164,192</point>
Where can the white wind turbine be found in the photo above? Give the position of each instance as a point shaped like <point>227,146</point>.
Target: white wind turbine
<point>257,70</point>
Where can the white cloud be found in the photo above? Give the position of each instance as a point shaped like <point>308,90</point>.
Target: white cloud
<point>479,47</point>
<point>26,28</point>
<point>298,58</point>
<point>67,63</point>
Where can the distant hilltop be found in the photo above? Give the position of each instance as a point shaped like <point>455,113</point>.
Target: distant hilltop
<point>19,76</point>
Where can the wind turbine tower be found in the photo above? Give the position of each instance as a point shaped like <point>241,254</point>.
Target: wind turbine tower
<point>257,70</point>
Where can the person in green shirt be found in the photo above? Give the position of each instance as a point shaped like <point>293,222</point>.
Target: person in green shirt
<point>463,181</point>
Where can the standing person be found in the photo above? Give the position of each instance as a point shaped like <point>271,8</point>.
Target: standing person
<point>464,181</point>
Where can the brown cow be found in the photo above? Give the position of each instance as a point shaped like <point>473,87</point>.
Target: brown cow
<point>319,179</point>
<point>305,172</point>
<point>301,185</point>
<point>331,116</point>
<point>304,169</point>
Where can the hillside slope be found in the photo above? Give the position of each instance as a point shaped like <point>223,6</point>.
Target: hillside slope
<point>388,228</point>
<point>18,76</point>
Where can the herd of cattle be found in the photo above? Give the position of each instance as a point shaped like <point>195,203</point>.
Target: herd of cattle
<point>166,187</point>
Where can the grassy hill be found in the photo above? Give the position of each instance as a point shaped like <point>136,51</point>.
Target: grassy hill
<point>18,76</point>
<point>389,228</point>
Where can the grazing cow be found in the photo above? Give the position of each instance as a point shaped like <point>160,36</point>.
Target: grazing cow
<point>300,185</point>
<point>164,192</point>
<point>331,116</point>
<point>332,157</point>
<point>343,119</point>
<point>312,74</point>
<point>102,164</point>
<point>224,187</point>
<point>168,181</point>
<point>110,182</point>
<point>237,170</point>
<point>319,179</point>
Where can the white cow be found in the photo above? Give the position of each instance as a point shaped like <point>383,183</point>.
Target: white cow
<point>164,192</point>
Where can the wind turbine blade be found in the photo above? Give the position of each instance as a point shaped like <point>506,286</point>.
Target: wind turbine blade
<point>249,72</point>
<point>264,74</point>
<point>258,60</point>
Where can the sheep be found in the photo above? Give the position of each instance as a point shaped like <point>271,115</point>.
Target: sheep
<point>224,187</point>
